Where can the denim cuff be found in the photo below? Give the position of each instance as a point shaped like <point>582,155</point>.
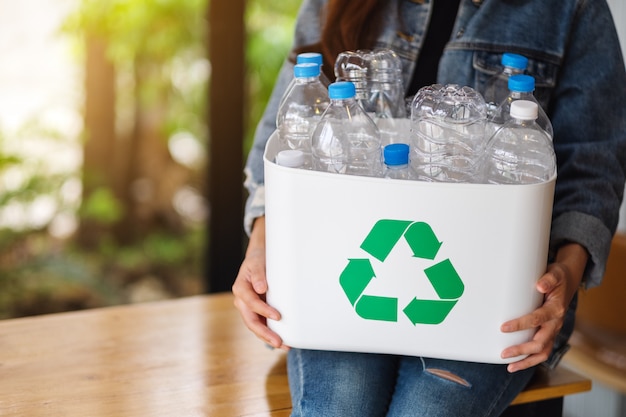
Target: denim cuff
<point>255,206</point>
<point>588,231</point>
<point>555,357</point>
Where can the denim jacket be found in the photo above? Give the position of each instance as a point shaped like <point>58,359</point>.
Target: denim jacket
<point>575,57</point>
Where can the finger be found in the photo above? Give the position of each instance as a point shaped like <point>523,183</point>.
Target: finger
<point>258,326</point>
<point>542,339</point>
<point>532,347</point>
<point>258,280</point>
<point>251,278</point>
<point>528,321</point>
<point>528,362</point>
<point>537,350</point>
<point>547,283</point>
<point>253,271</point>
<point>249,301</point>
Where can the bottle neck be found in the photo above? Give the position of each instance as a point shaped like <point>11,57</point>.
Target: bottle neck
<point>307,80</point>
<point>522,95</point>
<point>524,122</point>
<point>342,101</point>
<point>512,71</point>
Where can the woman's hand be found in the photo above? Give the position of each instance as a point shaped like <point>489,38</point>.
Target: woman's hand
<point>559,284</point>
<point>250,287</point>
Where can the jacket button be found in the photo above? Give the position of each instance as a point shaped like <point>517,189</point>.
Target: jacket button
<point>460,32</point>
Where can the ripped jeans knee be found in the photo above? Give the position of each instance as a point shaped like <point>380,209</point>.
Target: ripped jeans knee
<point>444,388</point>
<point>446,374</point>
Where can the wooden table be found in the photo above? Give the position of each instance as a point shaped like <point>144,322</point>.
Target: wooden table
<point>185,357</point>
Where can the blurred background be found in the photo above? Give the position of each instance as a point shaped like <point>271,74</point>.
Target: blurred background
<point>104,150</point>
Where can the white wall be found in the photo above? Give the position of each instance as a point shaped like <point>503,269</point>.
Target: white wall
<point>618,8</point>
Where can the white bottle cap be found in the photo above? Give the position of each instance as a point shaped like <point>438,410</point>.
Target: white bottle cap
<point>292,158</point>
<point>524,109</point>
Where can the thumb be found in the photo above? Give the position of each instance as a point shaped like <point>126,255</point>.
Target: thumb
<point>547,282</point>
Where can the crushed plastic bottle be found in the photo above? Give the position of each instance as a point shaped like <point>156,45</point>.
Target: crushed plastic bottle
<point>448,133</point>
<point>377,76</point>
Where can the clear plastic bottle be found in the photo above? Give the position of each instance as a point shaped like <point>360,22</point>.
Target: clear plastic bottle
<point>396,157</point>
<point>306,58</point>
<point>302,109</point>
<point>353,66</point>
<point>386,96</point>
<point>497,88</point>
<point>521,87</point>
<point>448,133</point>
<point>377,76</point>
<point>521,152</point>
<point>386,90</point>
<point>346,140</point>
<point>315,58</point>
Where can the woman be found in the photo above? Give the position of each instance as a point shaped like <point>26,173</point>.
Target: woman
<point>575,58</point>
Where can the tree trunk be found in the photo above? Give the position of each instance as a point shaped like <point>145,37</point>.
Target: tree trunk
<point>152,177</point>
<point>136,168</point>
<point>226,125</point>
<point>99,132</point>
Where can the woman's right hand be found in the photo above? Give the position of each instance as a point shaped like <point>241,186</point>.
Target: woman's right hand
<point>250,287</point>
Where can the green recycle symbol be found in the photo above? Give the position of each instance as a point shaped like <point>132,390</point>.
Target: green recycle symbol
<point>424,244</point>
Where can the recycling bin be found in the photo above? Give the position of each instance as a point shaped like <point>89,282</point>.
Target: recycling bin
<point>402,267</point>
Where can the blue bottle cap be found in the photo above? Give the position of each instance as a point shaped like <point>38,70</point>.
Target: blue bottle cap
<point>521,83</point>
<point>306,57</point>
<point>396,154</point>
<point>341,90</point>
<point>514,61</point>
<point>306,70</point>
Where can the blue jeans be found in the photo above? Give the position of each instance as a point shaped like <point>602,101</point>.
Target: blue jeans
<point>344,384</point>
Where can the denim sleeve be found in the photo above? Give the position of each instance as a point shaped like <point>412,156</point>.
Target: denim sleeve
<point>589,119</point>
<point>254,172</point>
<point>307,32</point>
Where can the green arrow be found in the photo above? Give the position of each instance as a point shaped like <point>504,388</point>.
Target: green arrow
<point>445,280</point>
<point>428,311</point>
<point>383,237</point>
<point>377,308</point>
<point>355,277</point>
<point>422,240</point>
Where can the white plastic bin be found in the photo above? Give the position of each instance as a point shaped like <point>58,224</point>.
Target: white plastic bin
<point>404,267</point>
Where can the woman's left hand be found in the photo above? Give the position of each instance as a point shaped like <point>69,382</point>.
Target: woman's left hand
<point>559,284</point>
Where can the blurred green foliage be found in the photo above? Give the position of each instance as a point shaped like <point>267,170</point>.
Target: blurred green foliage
<point>102,206</point>
<point>41,273</point>
<point>270,26</point>
<point>166,38</point>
